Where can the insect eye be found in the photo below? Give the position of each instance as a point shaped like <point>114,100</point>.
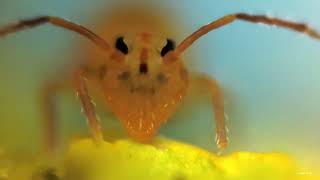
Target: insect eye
<point>121,45</point>
<point>168,47</point>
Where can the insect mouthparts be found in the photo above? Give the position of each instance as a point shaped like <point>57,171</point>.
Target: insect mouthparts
<point>143,68</point>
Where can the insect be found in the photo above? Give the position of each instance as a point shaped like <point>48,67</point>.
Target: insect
<point>142,76</point>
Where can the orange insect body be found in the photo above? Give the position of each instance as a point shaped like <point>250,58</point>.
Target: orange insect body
<point>142,101</point>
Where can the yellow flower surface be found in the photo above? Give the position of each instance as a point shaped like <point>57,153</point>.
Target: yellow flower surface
<point>170,160</point>
<point>162,160</point>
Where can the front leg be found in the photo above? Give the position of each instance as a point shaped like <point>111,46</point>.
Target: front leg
<point>87,105</point>
<point>202,82</point>
<point>48,104</point>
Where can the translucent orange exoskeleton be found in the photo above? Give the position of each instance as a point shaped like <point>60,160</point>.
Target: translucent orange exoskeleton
<point>142,75</point>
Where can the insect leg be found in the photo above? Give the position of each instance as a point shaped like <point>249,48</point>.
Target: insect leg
<point>295,26</point>
<point>88,107</point>
<point>49,91</point>
<point>211,85</point>
<point>57,21</point>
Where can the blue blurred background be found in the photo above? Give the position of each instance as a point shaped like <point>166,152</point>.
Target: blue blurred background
<point>270,75</point>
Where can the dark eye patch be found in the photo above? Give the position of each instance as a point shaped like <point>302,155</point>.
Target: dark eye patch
<point>168,47</point>
<point>124,75</point>
<point>162,78</point>
<point>121,45</point>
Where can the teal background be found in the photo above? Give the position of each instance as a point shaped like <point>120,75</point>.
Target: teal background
<point>270,75</point>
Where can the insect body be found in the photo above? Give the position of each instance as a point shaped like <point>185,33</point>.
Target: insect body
<point>143,77</point>
<point>141,88</point>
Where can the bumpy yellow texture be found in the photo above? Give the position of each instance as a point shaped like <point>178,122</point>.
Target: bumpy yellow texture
<point>169,160</point>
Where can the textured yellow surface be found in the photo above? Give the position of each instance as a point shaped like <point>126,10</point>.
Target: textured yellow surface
<point>162,160</point>
<point>169,160</point>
